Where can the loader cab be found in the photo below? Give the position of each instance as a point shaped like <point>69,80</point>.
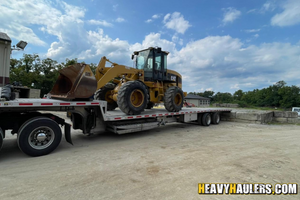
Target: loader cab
<point>154,63</point>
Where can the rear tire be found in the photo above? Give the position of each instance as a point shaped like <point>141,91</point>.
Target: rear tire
<point>132,97</point>
<point>39,136</point>
<point>199,118</point>
<point>103,94</point>
<point>215,119</point>
<point>173,99</point>
<point>206,119</point>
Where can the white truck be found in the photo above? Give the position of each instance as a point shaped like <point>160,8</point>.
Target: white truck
<point>39,133</point>
<point>296,109</point>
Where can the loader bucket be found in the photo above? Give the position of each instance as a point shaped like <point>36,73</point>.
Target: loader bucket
<point>74,82</point>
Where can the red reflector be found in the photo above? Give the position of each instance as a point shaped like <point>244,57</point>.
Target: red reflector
<point>25,104</point>
<point>95,103</point>
<point>80,103</point>
<point>46,104</point>
<point>118,118</point>
<point>64,104</point>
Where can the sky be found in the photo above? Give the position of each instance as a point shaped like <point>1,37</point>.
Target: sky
<point>216,45</point>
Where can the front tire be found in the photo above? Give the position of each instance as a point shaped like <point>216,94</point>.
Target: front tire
<point>173,99</point>
<point>104,94</point>
<point>132,97</point>
<point>39,136</point>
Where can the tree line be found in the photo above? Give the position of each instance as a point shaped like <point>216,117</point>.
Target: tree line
<point>277,95</point>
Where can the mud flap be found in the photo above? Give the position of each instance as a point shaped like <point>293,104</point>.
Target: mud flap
<point>68,133</point>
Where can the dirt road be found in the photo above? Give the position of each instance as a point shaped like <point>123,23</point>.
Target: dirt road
<point>164,163</point>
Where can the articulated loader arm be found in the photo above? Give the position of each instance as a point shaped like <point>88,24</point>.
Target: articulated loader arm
<point>106,74</point>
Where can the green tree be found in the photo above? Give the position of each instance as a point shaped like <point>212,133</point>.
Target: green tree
<point>290,96</point>
<point>238,95</point>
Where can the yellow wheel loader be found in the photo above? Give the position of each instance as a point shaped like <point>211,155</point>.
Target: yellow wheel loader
<point>130,89</point>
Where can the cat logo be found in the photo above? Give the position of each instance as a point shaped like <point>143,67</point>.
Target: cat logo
<point>173,78</point>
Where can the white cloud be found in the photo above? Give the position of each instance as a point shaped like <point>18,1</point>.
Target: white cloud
<point>268,6</point>
<point>251,11</point>
<point>222,62</point>
<point>115,6</point>
<point>176,39</point>
<point>100,22</point>
<point>289,16</point>
<point>230,15</point>
<point>176,22</point>
<point>156,16</point>
<point>120,19</point>
<point>252,30</point>
<point>256,35</point>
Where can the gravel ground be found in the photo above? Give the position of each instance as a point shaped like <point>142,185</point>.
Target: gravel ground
<point>164,163</point>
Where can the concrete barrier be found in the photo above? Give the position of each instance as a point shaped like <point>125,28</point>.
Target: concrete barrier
<point>261,117</point>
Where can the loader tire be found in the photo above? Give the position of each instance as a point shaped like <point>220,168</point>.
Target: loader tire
<point>132,97</point>
<point>103,94</point>
<point>173,99</point>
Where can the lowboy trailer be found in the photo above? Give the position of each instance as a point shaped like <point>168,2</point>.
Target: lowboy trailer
<point>38,132</point>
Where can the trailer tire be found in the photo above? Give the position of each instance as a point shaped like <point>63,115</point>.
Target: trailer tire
<point>206,119</point>
<point>215,119</point>
<point>173,99</point>
<point>199,118</point>
<point>102,94</point>
<point>1,138</point>
<point>132,97</point>
<point>39,136</point>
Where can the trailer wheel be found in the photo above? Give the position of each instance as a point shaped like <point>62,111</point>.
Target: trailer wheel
<point>215,118</point>
<point>206,119</point>
<point>173,99</point>
<point>132,97</point>
<point>39,136</point>
<point>104,94</point>
<point>1,138</point>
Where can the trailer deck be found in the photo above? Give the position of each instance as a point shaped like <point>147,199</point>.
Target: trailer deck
<point>158,112</point>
